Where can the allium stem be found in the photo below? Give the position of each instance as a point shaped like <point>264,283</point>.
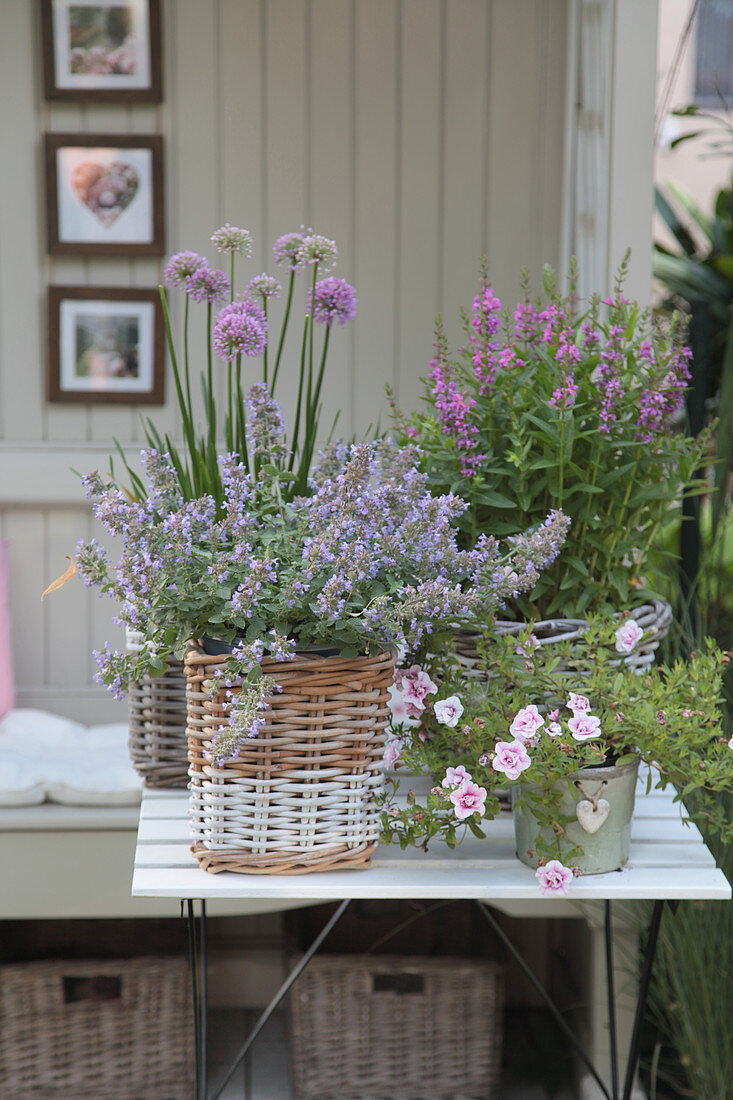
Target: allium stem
<point>264,360</point>
<point>185,359</point>
<point>308,405</point>
<point>283,330</point>
<point>211,411</point>
<point>231,276</point>
<point>230,404</point>
<point>296,427</point>
<point>187,426</point>
<point>311,426</point>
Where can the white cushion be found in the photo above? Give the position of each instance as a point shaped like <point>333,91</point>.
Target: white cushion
<point>44,756</point>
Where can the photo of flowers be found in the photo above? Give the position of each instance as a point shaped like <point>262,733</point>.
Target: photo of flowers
<point>104,195</point>
<point>106,51</point>
<point>105,345</point>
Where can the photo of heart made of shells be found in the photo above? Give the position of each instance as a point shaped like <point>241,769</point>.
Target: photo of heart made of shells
<point>105,194</point>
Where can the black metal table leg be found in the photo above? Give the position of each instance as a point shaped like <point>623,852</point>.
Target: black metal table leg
<point>645,978</point>
<point>196,1005</point>
<point>557,1015</point>
<point>611,992</point>
<point>204,1001</point>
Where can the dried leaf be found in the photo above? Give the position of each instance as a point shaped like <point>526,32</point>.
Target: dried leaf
<point>61,581</point>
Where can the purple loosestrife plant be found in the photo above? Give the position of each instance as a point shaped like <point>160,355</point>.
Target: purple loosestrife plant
<point>536,717</point>
<point>239,330</point>
<point>564,405</point>
<point>367,559</point>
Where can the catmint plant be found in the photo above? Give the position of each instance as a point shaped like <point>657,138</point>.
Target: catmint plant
<point>571,405</point>
<point>367,558</point>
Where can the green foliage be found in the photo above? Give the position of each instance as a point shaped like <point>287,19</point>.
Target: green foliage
<point>669,716</point>
<point>553,413</point>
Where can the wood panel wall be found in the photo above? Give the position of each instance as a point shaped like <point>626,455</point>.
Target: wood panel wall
<point>419,134</point>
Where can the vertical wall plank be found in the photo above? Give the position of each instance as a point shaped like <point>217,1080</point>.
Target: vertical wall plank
<point>331,185</point>
<point>465,126</point>
<point>66,630</point>
<point>21,239</point>
<point>26,534</point>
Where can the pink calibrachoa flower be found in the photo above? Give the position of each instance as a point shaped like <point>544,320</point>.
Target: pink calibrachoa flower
<point>554,878</point>
<point>553,729</point>
<point>627,636</point>
<point>584,726</point>
<point>392,752</point>
<point>511,758</point>
<point>578,704</point>
<point>398,708</point>
<point>528,646</point>
<point>468,799</point>
<point>455,776</point>
<point>526,722</point>
<point>730,743</point>
<point>414,684</point>
<point>553,715</point>
<point>449,710</point>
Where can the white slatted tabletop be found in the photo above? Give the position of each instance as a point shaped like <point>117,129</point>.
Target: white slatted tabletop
<point>668,860</point>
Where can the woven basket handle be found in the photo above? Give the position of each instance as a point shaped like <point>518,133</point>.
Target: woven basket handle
<point>403,984</point>
<point>93,988</point>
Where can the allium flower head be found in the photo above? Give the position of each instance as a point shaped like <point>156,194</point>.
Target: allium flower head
<point>287,250</point>
<point>554,878</point>
<point>181,266</point>
<point>316,249</point>
<point>335,301</point>
<point>264,286</point>
<point>208,284</point>
<point>231,239</point>
<point>240,329</point>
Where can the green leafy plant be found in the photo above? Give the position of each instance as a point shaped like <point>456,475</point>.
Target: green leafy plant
<point>540,714</point>
<point>564,405</point>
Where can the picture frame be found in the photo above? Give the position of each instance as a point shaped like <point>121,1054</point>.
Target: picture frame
<point>105,346</point>
<point>102,51</point>
<point>104,194</point>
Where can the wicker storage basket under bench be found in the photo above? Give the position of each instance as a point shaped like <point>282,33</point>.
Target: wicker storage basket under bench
<point>96,1030</point>
<point>408,1028</point>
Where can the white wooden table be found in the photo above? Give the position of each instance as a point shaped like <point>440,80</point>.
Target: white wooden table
<point>669,861</point>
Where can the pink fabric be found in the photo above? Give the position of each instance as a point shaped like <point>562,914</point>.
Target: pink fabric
<point>7,684</point>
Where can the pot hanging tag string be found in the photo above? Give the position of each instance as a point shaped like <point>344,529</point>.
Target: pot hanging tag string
<point>592,810</point>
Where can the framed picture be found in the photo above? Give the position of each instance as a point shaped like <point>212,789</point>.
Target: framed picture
<point>102,51</point>
<point>105,345</point>
<point>104,195</point>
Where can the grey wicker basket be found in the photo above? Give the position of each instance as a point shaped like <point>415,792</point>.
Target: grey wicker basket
<point>157,717</point>
<point>654,619</point>
<point>408,1028</point>
<point>117,1029</point>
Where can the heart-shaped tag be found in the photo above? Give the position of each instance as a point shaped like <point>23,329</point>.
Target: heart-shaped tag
<point>105,189</point>
<point>589,818</point>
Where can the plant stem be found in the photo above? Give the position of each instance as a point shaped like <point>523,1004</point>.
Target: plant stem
<point>187,425</point>
<point>308,405</point>
<point>210,379</point>
<point>296,428</point>
<point>230,403</point>
<point>311,426</point>
<point>264,363</point>
<point>185,359</point>
<point>231,276</point>
<point>283,330</point>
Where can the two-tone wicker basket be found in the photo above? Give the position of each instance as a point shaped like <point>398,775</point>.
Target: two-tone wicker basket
<point>96,1030</point>
<point>157,718</point>
<point>369,1027</point>
<point>301,795</point>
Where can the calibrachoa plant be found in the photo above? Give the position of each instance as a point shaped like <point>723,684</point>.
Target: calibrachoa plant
<point>563,404</point>
<point>541,714</point>
<point>368,559</point>
<point>238,331</point>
